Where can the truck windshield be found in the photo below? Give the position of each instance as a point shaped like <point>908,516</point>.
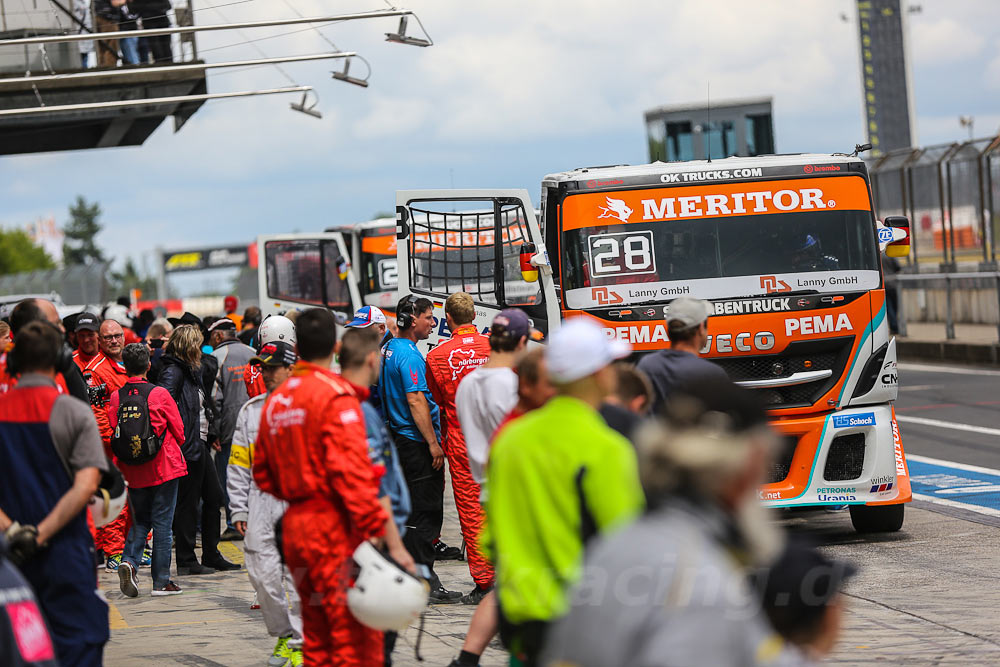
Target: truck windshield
<point>378,274</point>
<point>616,257</point>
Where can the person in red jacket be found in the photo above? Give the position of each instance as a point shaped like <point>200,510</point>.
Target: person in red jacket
<point>152,485</point>
<point>98,356</point>
<point>312,452</point>
<point>447,364</point>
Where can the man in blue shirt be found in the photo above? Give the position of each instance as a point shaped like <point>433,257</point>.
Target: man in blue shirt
<point>415,425</point>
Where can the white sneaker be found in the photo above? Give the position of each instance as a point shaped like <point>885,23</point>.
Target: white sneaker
<point>127,580</point>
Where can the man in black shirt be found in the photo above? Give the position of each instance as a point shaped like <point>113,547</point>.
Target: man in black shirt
<point>669,370</point>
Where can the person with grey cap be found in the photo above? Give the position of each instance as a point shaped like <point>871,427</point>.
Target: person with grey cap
<point>672,588</point>
<point>670,369</point>
<point>230,393</point>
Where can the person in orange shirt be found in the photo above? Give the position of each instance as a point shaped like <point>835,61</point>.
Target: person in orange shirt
<point>231,304</point>
<point>99,358</point>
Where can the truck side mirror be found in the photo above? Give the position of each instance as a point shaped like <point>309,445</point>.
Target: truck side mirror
<point>529,272</point>
<point>898,244</point>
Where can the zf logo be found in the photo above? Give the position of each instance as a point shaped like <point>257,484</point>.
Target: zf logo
<point>771,285</point>
<point>884,235</point>
<point>605,297</point>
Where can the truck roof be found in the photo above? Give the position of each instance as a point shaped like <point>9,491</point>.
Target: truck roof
<point>770,166</point>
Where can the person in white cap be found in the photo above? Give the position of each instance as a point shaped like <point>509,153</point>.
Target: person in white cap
<point>687,329</point>
<point>370,316</point>
<point>557,477</point>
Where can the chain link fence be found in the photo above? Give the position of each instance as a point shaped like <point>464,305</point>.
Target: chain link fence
<point>951,194</point>
<point>83,284</point>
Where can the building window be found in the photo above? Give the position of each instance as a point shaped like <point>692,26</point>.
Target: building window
<point>720,139</point>
<point>679,144</point>
<point>656,133</point>
<point>760,140</point>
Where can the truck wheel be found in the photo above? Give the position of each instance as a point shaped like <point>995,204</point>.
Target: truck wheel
<point>877,519</point>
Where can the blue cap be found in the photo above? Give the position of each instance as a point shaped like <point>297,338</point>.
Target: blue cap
<point>367,316</point>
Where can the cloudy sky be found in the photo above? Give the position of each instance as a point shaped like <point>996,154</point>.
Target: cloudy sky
<point>510,91</point>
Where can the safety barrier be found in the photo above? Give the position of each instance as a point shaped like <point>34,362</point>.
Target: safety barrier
<point>954,284</point>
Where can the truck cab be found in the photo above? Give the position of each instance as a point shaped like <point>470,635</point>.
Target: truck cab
<point>786,248</point>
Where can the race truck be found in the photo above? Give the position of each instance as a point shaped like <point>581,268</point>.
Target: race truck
<point>786,248</point>
<point>354,265</point>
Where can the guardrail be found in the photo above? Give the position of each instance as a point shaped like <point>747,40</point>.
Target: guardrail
<point>950,282</point>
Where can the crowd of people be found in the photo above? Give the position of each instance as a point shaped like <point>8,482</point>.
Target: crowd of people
<point>608,511</point>
<point>123,16</point>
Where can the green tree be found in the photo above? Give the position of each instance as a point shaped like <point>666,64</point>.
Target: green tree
<point>130,278</point>
<point>81,230</point>
<point>18,253</point>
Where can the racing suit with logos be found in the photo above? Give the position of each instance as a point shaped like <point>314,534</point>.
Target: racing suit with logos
<point>447,364</point>
<point>269,577</point>
<point>104,377</point>
<point>313,453</point>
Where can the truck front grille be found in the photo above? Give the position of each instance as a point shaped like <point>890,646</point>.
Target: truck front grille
<point>782,463</point>
<point>846,458</point>
<point>813,355</point>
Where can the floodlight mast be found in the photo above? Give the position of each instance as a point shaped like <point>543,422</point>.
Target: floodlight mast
<point>155,32</point>
<point>15,82</point>
<point>149,101</point>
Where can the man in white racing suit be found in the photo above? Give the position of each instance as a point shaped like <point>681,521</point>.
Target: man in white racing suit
<point>254,514</point>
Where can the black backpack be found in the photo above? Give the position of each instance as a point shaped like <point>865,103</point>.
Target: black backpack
<point>134,441</point>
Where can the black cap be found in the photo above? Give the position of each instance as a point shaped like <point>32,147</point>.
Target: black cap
<point>276,353</point>
<point>87,322</point>
<point>799,586</point>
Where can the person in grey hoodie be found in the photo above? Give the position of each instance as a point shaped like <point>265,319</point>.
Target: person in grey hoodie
<point>672,588</point>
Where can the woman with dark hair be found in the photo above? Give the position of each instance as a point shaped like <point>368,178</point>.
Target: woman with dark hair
<point>181,376</point>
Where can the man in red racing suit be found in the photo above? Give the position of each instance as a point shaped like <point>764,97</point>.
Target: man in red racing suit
<point>447,364</point>
<point>312,451</point>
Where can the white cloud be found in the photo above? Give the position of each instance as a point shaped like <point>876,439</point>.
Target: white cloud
<point>944,41</point>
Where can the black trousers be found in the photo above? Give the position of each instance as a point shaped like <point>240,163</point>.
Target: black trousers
<point>159,47</point>
<point>426,486</point>
<point>200,484</point>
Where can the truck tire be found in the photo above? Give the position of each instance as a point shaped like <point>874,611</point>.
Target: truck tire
<point>877,519</point>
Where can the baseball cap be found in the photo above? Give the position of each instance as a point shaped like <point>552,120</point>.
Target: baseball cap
<point>222,323</point>
<point>87,322</point>
<point>511,323</point>
<point>580,348</point>
<point>276,353</point>
<point>688,312</point>
<point>367,316</point>
<point>799,586</point>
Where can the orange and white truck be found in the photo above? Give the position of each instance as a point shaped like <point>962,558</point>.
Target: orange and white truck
<point>786,248</point>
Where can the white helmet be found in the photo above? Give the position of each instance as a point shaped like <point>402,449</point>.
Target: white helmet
<point>109,500</point>
<point>385,597</point>
<point>276,327</point>
<point>119,314</point>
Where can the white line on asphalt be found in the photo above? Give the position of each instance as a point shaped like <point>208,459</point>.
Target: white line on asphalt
<point>906,419</point>
<point>919,387</point>
<point>951,464</point>
<point>989,511</point>
<point>931,368</point>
